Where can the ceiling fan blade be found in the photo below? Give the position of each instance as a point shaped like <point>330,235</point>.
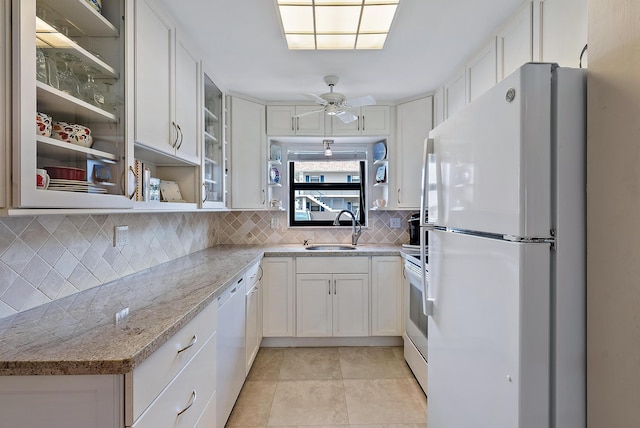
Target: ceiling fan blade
<point>316,98</point>
<point>309,112</point>
<point>346,116</point>
<point>367,100</point>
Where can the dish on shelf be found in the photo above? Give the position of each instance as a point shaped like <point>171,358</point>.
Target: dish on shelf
<point>381,174</point>
<point>66,173</point>
<point>379,151</point>
<point>72,133</point>
<point>101,173</point>
<point>274,174</point>
<point>276,153</point>
<point>96,4</point>
<point>74,186</point>
<point>43,124</point>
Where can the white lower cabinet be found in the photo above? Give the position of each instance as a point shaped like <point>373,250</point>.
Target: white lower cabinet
<point>61,401</point>
<point>386,296</point>
<point>278,297</point>
<point>185,399</point>
<point>253,315</point>
<point>332,304</point>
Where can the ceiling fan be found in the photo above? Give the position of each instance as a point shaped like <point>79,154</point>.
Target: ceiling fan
<point>336,104</point>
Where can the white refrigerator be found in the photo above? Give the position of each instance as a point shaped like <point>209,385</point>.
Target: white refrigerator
<point>504,182</point>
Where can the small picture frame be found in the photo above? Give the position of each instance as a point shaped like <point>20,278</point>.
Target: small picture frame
<point>154,189</point>
<point>170,191</point>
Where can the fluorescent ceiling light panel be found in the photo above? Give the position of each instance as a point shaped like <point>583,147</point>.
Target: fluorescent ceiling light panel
<point>336,24</point>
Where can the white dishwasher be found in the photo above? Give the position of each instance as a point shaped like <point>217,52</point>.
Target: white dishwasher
<point>231,369</point>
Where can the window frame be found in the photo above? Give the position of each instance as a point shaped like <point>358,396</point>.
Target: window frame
<point>344,220</point>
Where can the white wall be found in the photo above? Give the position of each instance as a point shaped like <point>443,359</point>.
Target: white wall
<point>613,254</point>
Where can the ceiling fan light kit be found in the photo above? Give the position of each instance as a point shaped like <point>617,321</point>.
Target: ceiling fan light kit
<point>336,104</point>
<point>336,24</point>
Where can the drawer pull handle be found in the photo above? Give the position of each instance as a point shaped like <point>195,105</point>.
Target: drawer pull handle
<point>191,401</point>
<point>194,339</point>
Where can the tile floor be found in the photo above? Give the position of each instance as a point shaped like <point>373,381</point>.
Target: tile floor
<point>330,387</point>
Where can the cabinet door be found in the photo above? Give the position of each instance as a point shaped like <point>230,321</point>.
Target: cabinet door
<point>351,305</point>
<point>277,298</point>
<point>280,120</point>
<point>153,84</point>
<point>62,401</point>
<point>340,128</point>
<point>438,107</point>
<point>386,296</point>
<point>251,326</point>
<point>414,123</point>
<point>187,111</point>
<point>375,120</point>
<point>247,154</point>
<point>454,94</point>
<point>5,178</point>
<point>314,296</point>
<point>481,71</point>
<point>310,124</point>
<point>515,42</point>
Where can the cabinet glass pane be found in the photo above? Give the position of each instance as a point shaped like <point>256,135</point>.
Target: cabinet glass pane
<point>213,142</point>
<point>80,136</point>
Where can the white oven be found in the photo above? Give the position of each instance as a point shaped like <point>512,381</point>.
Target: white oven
<point>415,340</point>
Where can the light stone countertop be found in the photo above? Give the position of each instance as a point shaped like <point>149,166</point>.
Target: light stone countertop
<point>77,335</point>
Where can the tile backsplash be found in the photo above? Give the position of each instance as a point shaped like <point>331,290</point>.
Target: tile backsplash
<point>45,258</point>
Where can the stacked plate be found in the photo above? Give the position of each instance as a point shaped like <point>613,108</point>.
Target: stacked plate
<point>74,186</point>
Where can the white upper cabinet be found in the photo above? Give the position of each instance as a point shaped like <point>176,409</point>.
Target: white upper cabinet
<point>284,120</point>
<point>481,71</point>
<point>415,120</point>
<point>564,30</point>
<point>515,41</point>
<point>89,44</point>
<point>166,86</point>
<point>187,108</point>
<point>455,94</point>
<point>372,120</point>
<point>248,147</point>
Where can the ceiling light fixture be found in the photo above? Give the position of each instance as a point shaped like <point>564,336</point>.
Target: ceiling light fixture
<point>336,24</point>
<point>327,147</point>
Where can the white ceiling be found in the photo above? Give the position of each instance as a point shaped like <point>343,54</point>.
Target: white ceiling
<point>245,51</point>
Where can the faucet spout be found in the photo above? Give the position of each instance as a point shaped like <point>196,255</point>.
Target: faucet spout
<point>356,233</point>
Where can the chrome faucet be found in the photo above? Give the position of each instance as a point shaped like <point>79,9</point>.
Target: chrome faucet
<point>356,233</point>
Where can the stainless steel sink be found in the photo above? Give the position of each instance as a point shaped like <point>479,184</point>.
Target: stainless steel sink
<point>330,247</point>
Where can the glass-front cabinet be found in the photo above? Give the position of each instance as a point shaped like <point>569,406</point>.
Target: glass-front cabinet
<point>213,161</point>
<point>69,140</point>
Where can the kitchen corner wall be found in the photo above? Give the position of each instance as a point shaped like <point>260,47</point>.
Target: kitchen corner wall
<point>270,228</point>
<point>49,257</point>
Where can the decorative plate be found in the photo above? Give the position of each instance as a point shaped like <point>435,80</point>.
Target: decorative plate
<point>381,174</point>
<point>274,174</point>
<point>379,151</point>
<point>276,153</point>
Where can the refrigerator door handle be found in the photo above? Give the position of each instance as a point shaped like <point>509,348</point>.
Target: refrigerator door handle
<point>428,150</point>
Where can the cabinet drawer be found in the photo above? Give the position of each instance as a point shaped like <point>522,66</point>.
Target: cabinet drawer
<point>346,264</point>
<point>150,377</point>
<point>187,396</point>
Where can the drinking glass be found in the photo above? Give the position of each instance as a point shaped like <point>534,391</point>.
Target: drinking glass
<point>90,90</point>
<point>67,79</point>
